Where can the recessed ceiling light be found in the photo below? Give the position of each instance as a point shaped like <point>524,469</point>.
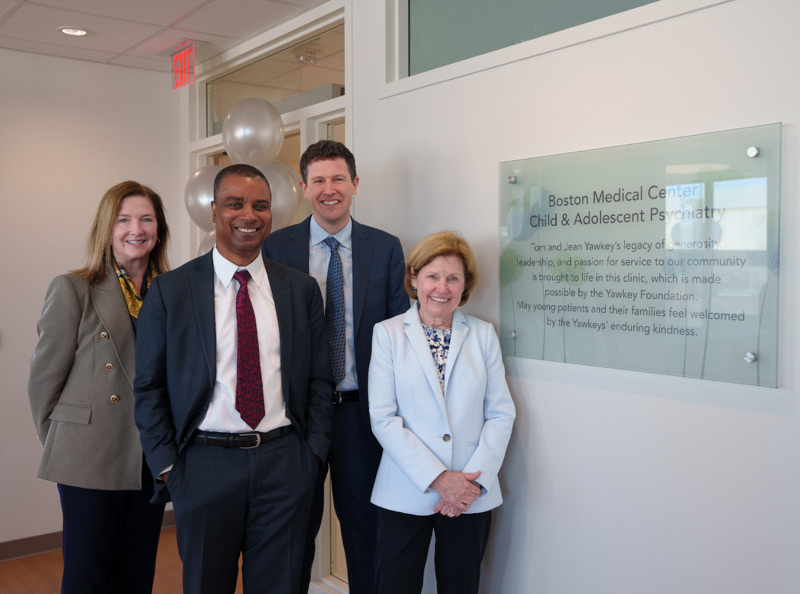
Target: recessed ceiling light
<point>72,31</point>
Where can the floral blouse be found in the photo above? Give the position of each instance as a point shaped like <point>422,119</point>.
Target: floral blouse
<point>439,342</point>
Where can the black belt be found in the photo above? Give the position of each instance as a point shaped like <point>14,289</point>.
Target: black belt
<point>349,396</point>
<point>244,441</point>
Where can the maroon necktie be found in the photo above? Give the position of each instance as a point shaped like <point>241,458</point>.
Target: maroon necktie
<point>249,387</point>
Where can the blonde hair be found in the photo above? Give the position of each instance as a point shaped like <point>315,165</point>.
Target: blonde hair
<point>98,260</point>
<point>444,243</point>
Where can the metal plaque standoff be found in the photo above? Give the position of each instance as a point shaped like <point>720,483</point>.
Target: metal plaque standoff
<point>660,257</point>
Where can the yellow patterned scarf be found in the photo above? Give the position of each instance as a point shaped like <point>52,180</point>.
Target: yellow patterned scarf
<point>132,297</point>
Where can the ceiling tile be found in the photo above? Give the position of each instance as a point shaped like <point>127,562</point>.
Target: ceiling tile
<point>5,5</point>
<point>154,12</point>
<point>334,61</point>
<point>40,24</point>
<point>158,64</point>
<point>305,78</point>
<point>262,71</point>
<point>36,47</point>
<point>241,19</point>
<point>141,33</point>
<point>206,45</point>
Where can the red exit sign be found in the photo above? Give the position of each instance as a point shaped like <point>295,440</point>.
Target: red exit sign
<point>183,67</point>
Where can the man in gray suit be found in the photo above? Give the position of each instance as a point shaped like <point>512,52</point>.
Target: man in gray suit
<point>373,272</point>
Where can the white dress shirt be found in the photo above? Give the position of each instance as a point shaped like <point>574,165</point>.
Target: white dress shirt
<point>222,414</point>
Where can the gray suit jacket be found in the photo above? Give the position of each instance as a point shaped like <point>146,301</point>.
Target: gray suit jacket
<point>81,386</point>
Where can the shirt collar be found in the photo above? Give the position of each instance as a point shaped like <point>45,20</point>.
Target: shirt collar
<point>344,237</point>
<point>225,269</point>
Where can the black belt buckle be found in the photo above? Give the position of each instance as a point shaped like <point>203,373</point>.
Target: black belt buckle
<point>258,440</point>
<point>344,396</point>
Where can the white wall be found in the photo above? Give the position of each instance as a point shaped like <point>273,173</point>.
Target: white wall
<point>616,482</point>
<point>69,130</point>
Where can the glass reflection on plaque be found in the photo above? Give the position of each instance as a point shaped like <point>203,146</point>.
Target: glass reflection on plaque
<point>660,257</point>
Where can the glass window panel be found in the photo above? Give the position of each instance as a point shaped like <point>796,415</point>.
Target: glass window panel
<point>661,256</point>
<point>305,74</point>
<point>336,130</point>
<point>446,31</point>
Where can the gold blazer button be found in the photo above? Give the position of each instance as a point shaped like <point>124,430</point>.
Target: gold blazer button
<point>446,437</point>
<point>104,335</point>
<point>114,398</point>
<point>109,366</point>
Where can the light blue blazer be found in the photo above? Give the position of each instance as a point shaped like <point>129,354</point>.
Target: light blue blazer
<point>424,432</point>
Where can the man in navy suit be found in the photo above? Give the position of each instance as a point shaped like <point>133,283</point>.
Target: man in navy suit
<point>374,271</point>
<point>239,482</point>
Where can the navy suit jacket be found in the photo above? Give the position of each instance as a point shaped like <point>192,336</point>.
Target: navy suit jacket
<point>378,291</point>
<point>176,359</point>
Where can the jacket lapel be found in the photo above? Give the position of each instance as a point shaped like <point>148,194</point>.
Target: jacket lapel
<point>415,334</point>
<point>282,294</point>
<point>362,261</point>
<point>201,281</point>
<point>109,303</point>
<point>297,255</point>
<point>457,338</point>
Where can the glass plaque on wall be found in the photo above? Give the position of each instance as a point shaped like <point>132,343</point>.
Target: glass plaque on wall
<point>660,257</point>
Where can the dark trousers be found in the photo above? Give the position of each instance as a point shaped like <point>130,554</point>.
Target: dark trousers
<point>250,501</point>
<point>403,543</point>
<point>353,463</point>
<point>110,539</point>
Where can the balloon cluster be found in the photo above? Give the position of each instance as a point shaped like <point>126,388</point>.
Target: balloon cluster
<point>253,134</point>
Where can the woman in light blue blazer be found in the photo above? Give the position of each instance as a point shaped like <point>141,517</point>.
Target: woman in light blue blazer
<point>439,405</point>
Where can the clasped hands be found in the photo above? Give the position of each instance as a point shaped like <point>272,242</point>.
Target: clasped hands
<point>458,490</point>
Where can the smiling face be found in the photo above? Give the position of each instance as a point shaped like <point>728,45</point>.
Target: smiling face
<point>135,231</point>
<point>330,191</point>
<point>242,216</point>
<point>439,286</point>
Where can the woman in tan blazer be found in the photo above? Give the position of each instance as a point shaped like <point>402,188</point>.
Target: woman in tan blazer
<point>81,395</point>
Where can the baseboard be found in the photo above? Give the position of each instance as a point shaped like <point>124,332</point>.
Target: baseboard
<point>47,543</point>
<point>33,545</point>
<point>169,519</point>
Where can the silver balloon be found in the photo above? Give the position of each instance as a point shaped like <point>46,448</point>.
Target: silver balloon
<point>253,132</point>
<point>286,192</point>
<point>199,194</point>
<point>207,243</point>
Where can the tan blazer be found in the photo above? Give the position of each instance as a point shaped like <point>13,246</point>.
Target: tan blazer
<point>81,386</point>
